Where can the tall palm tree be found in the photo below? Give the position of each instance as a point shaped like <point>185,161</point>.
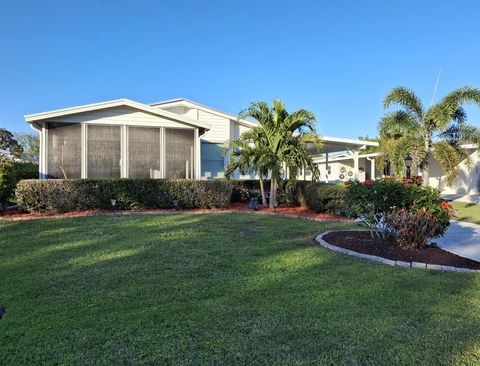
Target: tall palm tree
<point>437,131</point>
<point>277,145</point>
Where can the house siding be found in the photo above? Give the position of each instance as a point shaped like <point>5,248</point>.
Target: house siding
<point>120,115</point>
<point>220,127</point>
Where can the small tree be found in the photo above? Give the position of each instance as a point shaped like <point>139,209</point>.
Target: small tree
<point>30,144</point>
<point>9,146</point>
<point>278,145</point>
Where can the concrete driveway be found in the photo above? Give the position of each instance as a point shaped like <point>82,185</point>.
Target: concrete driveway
<point>462,238</point>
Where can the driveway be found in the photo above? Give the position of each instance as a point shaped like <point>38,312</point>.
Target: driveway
<point>462,238</point>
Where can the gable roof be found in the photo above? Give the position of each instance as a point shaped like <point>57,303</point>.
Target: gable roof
<point>184,102</point>
<point>115,103</point>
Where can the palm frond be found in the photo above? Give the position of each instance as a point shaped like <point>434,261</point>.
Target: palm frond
<point>407,99</point>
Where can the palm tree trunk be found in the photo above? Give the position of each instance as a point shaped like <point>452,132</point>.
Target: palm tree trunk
<point>272,192</point>
<point>262,192</point>
<point>425,171</point>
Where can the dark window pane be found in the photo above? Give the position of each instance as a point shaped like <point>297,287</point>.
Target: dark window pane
<point>212,160</point>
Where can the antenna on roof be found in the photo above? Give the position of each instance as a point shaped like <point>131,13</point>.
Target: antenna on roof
<point>436,86</point>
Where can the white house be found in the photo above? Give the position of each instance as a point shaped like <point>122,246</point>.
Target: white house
<point>176,138</point>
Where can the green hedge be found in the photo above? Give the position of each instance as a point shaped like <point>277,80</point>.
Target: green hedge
<point>11,174</point>
<point>58,195</point>
<point>324,197</point>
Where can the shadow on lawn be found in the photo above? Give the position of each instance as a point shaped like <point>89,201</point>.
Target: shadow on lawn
<point>188,288</point>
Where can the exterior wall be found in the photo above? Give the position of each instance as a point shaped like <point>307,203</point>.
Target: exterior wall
<point>468,181</point>
<point>220,127</point>
<point>120,115</point>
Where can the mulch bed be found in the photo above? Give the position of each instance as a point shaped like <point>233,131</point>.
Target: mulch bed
<point>362,242</point>
<point>237,207</point>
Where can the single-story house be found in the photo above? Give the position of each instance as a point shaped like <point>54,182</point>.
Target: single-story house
<point>175,139</point>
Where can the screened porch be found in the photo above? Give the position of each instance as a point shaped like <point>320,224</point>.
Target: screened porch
<point>89,150</point>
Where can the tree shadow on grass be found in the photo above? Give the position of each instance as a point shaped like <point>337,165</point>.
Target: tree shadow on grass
<point>190,290</point>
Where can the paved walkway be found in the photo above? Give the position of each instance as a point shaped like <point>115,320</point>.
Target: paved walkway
<point>462,238</point>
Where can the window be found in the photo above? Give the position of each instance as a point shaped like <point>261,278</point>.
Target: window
<point>144,152</point>
<point>64,151</point>
<point>179,154</point>
<point>212,160</point>
<point>103,151</point>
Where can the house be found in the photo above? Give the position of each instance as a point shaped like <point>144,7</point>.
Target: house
<point>177,139</point>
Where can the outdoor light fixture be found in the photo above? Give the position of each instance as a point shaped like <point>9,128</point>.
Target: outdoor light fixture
<point>175,204</point>
<point>408,164</point>
<point>113,201</point>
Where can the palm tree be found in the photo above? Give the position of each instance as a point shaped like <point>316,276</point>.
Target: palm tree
<point>278,145</point>
<point>249,154</point>
<point>437,131</point>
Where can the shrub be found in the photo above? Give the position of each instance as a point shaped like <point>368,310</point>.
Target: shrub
<point>372,200</point>
<point>411,229</point>
<point>58,195</point>
<point>324,197</point>
<point>11,173</point>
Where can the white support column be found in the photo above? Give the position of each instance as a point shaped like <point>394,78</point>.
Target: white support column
<point>372,168</point>
<point>160,146</point>
<point>196,156</point>
<point>43,166</point>
<point>124,152</point>
<point>326,167</point>
<point>83,150</point>
<point>355,164</point>
<point>163,153</point>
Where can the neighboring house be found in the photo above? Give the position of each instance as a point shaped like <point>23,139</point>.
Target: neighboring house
<point>468,180</point>
<point>174,139</point>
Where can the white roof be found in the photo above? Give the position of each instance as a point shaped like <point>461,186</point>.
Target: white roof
<point>115,103</point>
<point>190,103</point>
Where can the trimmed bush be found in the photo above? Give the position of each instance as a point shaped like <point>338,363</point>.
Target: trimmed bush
<point>324,197</point>
<point>372,200</point>
<point>59,195</point>
<point>11,173</point>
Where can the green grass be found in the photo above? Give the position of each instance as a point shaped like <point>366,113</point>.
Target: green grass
<point>220,289</point>
<point>469,212</point>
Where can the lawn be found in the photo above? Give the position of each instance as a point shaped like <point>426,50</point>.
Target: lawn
<point>220,289</point>
<point>467,211</point>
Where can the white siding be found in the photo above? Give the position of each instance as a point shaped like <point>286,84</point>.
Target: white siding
<point>219,127</point>
<point>467,181</point>
<point>121,115</point>
<point>184,111</point>
<point>237,130</point>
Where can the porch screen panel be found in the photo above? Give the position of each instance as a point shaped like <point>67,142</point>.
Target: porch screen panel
<point>143,152</point>
<point>179,153</point>
<point>64,151</point>
<point>103,151</point>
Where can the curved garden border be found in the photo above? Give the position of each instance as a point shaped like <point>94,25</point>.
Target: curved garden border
<point>319,239</point>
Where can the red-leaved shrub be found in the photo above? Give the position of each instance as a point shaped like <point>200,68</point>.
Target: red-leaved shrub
<point>411,229</point>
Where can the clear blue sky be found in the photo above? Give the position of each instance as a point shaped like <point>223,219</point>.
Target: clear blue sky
<point>336,58</point>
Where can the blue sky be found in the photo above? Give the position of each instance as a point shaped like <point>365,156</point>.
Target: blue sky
<point>336,58</point>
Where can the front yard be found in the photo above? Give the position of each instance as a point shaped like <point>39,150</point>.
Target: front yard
<point>220,289</point>
<point>469,212</point>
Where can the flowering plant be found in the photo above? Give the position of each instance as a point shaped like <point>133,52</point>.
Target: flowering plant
<point>371,202</point>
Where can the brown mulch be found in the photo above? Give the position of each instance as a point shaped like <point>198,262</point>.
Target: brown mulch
<point>362,242</point>
<point>304,212</point>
